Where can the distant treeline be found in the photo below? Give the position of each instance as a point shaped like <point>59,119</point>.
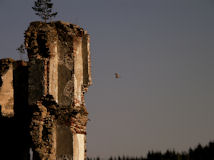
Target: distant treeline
<point>198,153</point>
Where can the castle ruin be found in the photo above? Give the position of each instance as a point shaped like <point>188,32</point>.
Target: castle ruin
<point>42,100</point>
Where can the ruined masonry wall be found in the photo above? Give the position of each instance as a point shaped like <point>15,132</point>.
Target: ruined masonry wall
<point>65,78</point>
<point>56,78</point>
<point>6,90</point>
<point>14,110</point>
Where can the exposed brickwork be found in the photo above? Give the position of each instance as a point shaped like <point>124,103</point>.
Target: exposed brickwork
<point>47,93</point>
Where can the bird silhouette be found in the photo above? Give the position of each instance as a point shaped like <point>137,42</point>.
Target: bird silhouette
<point>117,75</point>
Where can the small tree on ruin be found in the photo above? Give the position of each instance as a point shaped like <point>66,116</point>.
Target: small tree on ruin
<point>43,9</point>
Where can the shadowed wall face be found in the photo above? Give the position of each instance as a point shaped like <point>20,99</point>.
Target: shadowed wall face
<point>14,135</point>
<point>64,141</point>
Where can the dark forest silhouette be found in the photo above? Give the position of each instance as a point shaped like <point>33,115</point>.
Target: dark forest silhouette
<point>198,153</point>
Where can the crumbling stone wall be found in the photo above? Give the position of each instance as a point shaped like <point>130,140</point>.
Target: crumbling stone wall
<point>57,76</point>
<point>14,137</point>
<point>6,90</point>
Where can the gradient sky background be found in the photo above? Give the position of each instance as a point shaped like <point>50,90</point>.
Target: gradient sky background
<point>164,52</point>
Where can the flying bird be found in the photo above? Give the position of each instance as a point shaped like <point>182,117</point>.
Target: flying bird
<point>117,75</point>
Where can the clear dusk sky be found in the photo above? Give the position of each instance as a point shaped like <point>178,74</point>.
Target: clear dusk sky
<point>164,52</point>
